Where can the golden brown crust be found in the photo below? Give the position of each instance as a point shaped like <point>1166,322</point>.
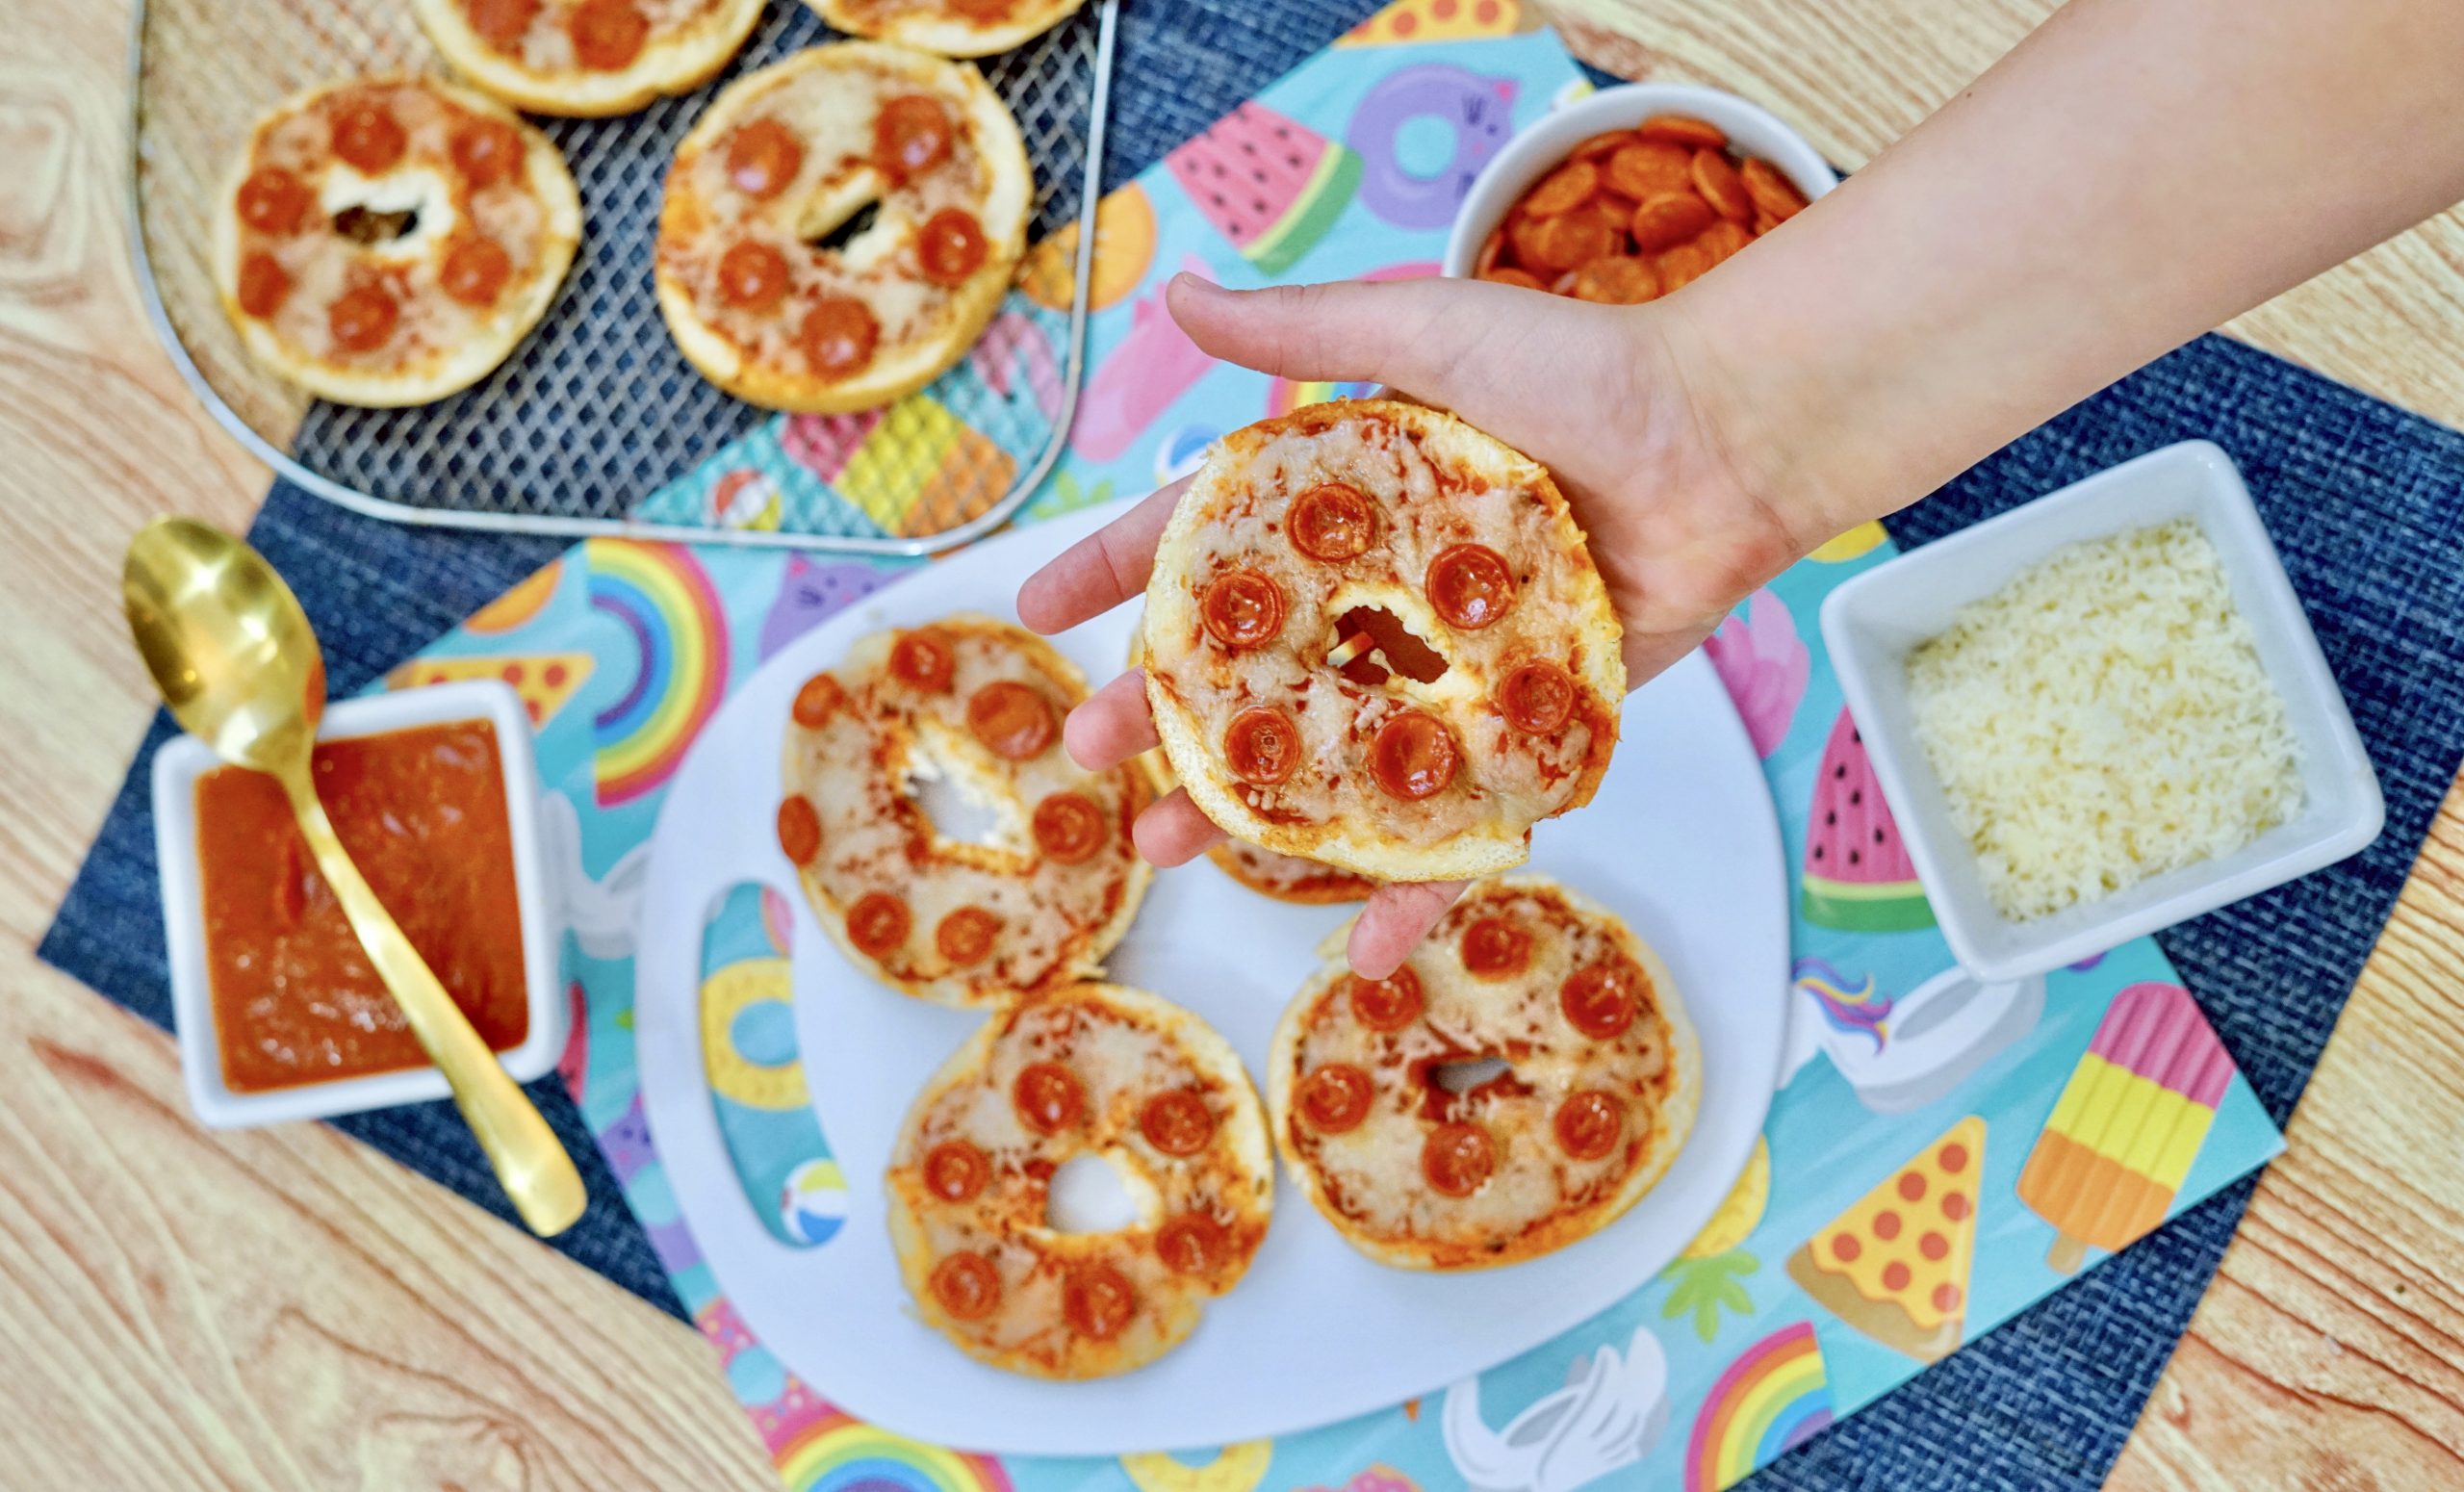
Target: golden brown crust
<point>1434,490</point>
<point>438,346</point>
<point>952,29</point>
<point>1122,1048</point>
<point>924,327</point>
<point>1367,1179</point>
<point>677,57</point>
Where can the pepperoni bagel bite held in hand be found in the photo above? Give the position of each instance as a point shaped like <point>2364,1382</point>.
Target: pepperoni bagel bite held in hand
<point>1090,1071</point>
<point>1038,902</point>
<point>587,57</point>
<point>1522,1079</point>
<point>1374,639</point>
<point>952,28</point>
<point>839,227</point>
<point>390,240</point>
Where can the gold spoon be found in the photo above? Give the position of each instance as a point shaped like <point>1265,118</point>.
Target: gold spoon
<point>235,659</point>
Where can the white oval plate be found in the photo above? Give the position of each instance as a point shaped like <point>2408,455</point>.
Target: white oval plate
<point>1681,840</point>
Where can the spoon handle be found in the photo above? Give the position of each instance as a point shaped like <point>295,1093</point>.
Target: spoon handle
<point>529,1161</point>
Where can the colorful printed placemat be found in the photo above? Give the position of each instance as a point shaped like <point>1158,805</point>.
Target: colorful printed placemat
<point>1944,1153</point>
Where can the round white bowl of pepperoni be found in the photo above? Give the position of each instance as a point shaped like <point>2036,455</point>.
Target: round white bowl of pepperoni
<point>1632,193</point>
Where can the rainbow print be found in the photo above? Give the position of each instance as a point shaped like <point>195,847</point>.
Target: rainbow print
<point>1286,395</point>
<point>837,1453</point>
<point>660,595</point>
<point>1775,1395</point>
<point>1854,1008</point>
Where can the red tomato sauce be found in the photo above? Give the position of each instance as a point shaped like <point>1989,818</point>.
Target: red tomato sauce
<point>423,811</point>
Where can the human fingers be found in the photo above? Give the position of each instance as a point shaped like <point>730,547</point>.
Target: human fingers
<point>1100,571</point>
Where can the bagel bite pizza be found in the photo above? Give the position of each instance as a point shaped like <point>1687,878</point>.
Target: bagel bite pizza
<point>952,28</point>
<point>1374,639</point>
<point>587,57</point>
<point>391,240</point>
<point>839,227</point>
<point>1525,1077</point>
<point>959,921</point>
<point>1092,1070</point>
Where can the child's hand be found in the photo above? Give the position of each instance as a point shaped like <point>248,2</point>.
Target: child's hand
<point>1602,395</point>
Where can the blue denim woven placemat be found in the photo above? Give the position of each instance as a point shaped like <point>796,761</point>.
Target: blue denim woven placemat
<point>2365,501</point>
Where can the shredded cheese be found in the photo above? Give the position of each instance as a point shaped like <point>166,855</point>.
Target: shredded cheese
<point>2104,718</point>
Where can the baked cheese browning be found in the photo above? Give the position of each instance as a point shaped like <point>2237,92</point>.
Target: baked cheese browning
<point>1092,1070</point>
<point>390,240</point>
<point>1517,1085</point>
<point>959,920</point>
<point>587,57</point>
<point>953,28</point>
<point>1374,639</point>
<point>1288,877</point>
<point>839,227</point>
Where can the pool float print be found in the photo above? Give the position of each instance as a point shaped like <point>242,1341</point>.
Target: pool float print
<point>1183,450</point>
<point>1900,1054</point>
<point>1124,247</point>
<point>1896,1265</point>
<point>1478,112</point>
<point>750,1063</point>
<point>812,592</point>
<point>1764,665</point>
<point>1608,1417</point>
<point>519,607</point>
<point>914,468</point>
<point>1154,365</point>
<point>545,681</point>
<point>1775,1397</point>
<point>1710,1276</point>
<point>1857,876</point>
<point>1271,186</point>
<point>662,599</point>
<point>743,498</point>
<point>598,911</point>
<point>1415,22</point>
<point>1235,1467</point>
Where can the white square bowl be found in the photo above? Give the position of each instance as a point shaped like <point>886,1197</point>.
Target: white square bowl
<point>1871,623</point>
<point>185,759</point>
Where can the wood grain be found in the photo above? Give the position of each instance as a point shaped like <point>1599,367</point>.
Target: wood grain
<point>284,1310</point>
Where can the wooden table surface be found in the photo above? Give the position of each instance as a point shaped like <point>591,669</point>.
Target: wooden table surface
<point>282,1308</point>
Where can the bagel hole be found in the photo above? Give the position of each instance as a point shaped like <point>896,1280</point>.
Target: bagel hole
<point>1461,1077</point>
<point>368,226</point>
<point>1089,1194</point>
<point>1371,642</point>
<point>835,237</point>
<point>960,815</point>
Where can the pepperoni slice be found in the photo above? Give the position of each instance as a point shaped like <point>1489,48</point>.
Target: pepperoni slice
<point>1177,1123</point>
<point>272,200</point>
<point>1600,1000</point>
<point>966,1285</point>
<point>1242,609</point>
<point>838,336</point>
<point>1571,239</point>
<point>799,829</point>
<point>1537,698</point>
<point>368,139</point>
<point>1680,129</point>
<point>1262,745</point>
<point>1456,1158</point>
<point>1049,1096</point>
<point>1388,1004</point>
<point>1492,249</point>
<point>500,23</point>
<point>923,660</point>
<point>1717,183</point>
<point>753,276</point>
<point>1334,1098</point>
<point>955,1171</point>
<point>1647,168</point>
<point>1774,196</point>
<point>1508,275</point>
<point>1332,522</point>
<point>609,34</point>
<point>877,923</point>
<point>911,133</point>
<point>821,695</point>
<point>487,151</point>
<point>1569,186</point>
<point>361,320</point>
<point>763,157</point>
<point>1470,585</point>
<point>1412,756</point>
<point>1494,948</point>
<point>1668,219</point>
<point>474,271</point>
<point>1191,1243</point>
<point>1097,1301</point>
<point>1617,280</point>
<point>1589,1124</point>
<point>1012,719</point>
<point>1068,827</point>
<point>950,247</point>
<point>1600,145</point>
<point>966,936</point>
<point>263,286</point>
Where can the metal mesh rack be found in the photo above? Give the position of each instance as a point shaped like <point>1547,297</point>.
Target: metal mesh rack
<point>596,409</point>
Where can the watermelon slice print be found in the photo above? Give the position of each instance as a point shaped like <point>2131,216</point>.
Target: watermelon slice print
<point>1857,877</point>
<point>1271,186</point>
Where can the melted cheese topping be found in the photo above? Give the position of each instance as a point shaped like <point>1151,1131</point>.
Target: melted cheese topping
<point>1122,1052</point>
<point>858,769</point>
<point>1370,1176</point>
<point>547,47</point>
<point>1423,503</point>
<point>1288,877</point>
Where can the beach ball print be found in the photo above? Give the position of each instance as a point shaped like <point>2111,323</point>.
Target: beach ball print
<point>812,1204</point>
<point>1182,452</point>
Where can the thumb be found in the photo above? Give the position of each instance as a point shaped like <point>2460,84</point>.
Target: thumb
<point>1348,331</point>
